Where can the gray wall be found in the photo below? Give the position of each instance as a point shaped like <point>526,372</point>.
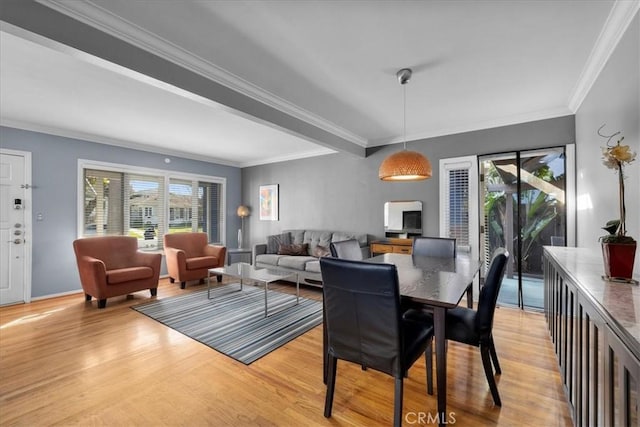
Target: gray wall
<point>614,99</point>
<point>54,177</point>
<point>341,192</point>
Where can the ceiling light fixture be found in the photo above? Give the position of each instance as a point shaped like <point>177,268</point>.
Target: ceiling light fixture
<point>405,165</point>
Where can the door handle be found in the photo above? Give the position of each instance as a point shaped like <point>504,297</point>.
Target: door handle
<point>15,241</point>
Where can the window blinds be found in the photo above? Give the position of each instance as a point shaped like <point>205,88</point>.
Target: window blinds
<point>135,204</point>
<point>457,207</point>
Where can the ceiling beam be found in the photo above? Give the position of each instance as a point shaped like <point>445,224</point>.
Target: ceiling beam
<point>51,24</point>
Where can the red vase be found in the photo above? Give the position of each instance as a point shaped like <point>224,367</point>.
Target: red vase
<point>618,260</point>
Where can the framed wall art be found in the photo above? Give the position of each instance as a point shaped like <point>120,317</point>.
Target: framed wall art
<point>269,202</point>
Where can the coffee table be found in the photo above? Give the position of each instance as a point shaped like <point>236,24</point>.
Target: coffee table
<point>263,276</point>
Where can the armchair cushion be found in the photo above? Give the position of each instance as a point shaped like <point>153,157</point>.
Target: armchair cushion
<point>128,274</point>
<point>201,262</point>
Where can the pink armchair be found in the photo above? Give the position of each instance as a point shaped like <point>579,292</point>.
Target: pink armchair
<point>189,256</point>
<point>112,265</point>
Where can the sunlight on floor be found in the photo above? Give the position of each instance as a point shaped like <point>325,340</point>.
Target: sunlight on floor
<point>31,318</point>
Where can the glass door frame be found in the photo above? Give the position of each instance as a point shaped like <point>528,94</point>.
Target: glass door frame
<point>569,208</point>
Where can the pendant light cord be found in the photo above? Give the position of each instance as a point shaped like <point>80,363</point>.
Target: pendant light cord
<point>404,131</point>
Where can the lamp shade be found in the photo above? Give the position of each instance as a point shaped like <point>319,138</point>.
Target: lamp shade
<point>243,211</point>
<point>405,166</point>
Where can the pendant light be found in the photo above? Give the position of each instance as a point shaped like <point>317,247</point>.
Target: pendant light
<point>405,165</point>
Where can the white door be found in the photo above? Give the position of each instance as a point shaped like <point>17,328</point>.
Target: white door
<point>15,199</point>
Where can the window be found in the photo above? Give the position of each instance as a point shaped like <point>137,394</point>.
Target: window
<point>459,201</point>
<point>120,200</point>
<point>193,205</point>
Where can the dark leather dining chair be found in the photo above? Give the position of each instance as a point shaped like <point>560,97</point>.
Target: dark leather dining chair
<point>364,325</point>
<point>346,249</point>
<point>443,247</point>
<point>475,327</point>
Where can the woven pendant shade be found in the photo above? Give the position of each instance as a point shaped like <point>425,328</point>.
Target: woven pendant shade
<point>405,166</point>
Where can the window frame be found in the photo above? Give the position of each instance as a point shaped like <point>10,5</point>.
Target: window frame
<point>166,175</point>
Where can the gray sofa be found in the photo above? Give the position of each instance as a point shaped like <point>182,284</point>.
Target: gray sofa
<point>307,265</point>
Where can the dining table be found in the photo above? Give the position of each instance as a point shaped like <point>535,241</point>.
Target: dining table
<point>439,284</point>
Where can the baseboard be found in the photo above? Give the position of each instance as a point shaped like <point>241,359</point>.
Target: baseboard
<point>61,294</point>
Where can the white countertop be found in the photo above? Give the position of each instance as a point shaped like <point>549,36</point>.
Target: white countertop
<point>619,301</point>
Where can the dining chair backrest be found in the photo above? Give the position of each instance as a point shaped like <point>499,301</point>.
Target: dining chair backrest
<point>362,308</point>
<point>346,249</point>
<point>364,325</point>
<point>442,247</point>
<point>489,292</point>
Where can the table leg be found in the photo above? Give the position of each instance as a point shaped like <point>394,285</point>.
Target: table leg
<point>266,286</point>
<point>209,284</point>
<point>441,361</point>
<point>324,345</point>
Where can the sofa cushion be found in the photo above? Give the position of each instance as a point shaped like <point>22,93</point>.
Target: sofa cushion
<point>200,262</point>
<point>340,236</point>
<point>317,237</point>
<point>271,259</point>
<point>320,251</point>
<point>294,249</point>
<point>313,266</point>
<point>128,274</point>
<point>274,242</point>
<point>297,236</point>
<point>295,262</point>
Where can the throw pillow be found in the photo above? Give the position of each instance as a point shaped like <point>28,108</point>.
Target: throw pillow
<point>274,242</point>
<point>296,250</point>
<point>320,251</point>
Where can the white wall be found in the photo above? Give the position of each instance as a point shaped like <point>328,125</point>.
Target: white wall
<point>614,99</point>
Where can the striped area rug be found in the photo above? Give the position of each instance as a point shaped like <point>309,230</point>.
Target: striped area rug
<point>233,322</point>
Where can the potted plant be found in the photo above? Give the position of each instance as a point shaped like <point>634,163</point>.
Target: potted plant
<point>618,249</point>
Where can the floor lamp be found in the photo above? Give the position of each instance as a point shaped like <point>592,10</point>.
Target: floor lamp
<point>243,211</point>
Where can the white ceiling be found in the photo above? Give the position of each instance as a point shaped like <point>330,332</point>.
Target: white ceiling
<point>477,64</point>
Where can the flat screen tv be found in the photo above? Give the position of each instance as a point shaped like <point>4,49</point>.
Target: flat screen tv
<point>411,220</point>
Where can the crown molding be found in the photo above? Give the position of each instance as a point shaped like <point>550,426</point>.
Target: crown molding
<point>621,15</point>
<point>489,124</point>
<point>97,17</point>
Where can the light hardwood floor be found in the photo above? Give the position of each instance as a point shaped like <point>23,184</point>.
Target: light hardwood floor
<point>64,362</point>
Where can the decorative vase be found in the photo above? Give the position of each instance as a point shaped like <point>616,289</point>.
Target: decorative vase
<point>239,238</point>
<point>618,260</point>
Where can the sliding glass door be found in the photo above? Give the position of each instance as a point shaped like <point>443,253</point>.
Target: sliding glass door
<point>522,198</point>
